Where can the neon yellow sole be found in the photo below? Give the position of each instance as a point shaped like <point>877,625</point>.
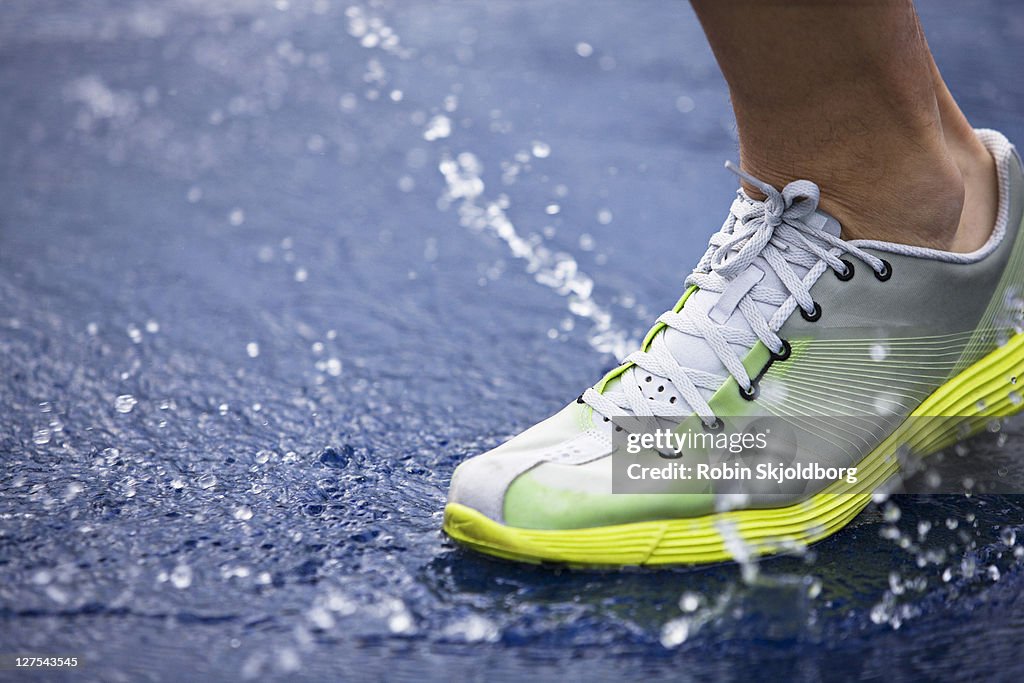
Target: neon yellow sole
<point>978,394</point>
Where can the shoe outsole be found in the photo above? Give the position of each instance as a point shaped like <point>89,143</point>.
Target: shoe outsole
<point>963,405</point>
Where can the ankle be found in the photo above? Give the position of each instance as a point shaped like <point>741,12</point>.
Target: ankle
<point>909,192</point>
<point>981,192</point>
<point>918,202</point>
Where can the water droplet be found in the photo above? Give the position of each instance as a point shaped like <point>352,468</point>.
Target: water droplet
<point>301,274</point>
<point>584,49</point>
<point>878,352</point>
<point>152,326</point>
<point>968,566</point>
<point>473,629</point>
<point>263,457</point>
<point>675,633</point>
<point>879,613</point>
<point>236,217</point>
<point>72,491</point>
<point>552,209</point>
<point>348,102</point>
<point>252,349</point>
<point>177,483</point>
<point>438,127</point>
<point>41,436</point>
<point>604,216</point>
<point>333,367</point>
<point>195,193</point>
<point>1008,536</point>
<point>288,659</point>
<point>181,576</point>
<point>401,622</point>
<point>684,104</point>
<point>541,150</point>
<point>207,481</point>
<point>406,184</point>
<point>586,242</point>
<point>689,602</point>
<point>887,404</point>
<point>124,403</point>
<point>243,513</point>
<point>320,618</point>
<point>891,513</point>
<point>1015,398</point>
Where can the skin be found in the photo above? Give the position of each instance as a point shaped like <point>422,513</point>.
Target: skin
<point>847,94</point>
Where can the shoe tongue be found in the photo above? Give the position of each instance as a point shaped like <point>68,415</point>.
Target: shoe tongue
<point>694,352</point>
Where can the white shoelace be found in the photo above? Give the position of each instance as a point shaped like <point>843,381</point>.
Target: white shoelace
<point>774,230</point>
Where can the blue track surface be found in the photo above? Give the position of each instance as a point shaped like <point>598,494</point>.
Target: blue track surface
<point>269,272</point>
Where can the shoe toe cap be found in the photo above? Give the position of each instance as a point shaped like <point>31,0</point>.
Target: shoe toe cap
<point>482,482</point>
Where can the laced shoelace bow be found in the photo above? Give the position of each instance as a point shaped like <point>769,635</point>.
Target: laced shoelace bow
<point>773,229</point>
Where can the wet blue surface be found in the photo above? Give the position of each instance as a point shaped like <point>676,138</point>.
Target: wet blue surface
<point>269,272</point>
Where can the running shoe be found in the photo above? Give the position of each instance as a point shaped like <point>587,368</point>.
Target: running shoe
<point>867,347</point>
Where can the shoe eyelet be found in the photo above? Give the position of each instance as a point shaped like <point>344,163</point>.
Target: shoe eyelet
<point>846,275</point>
<point>813,315</point>
<point>784,354</point>
<point>886,271</point>
<point>751,394</point>
<point>715,426</point>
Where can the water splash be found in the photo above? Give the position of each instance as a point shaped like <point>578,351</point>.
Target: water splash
<point>556,270</point>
